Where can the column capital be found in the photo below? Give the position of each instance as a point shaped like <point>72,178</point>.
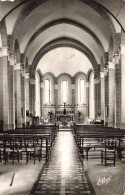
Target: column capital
<point>23,72</point>
<point>72,86</point>
<point>122,49</point>
<point>116,58</point>
<point>87,84</point>
<point>11,60</point>
<point>105,71</point>
<point>96,81</point>
<point>111,65</point>
<point>56,86</point>
<point>4,52</point>
<point>41,85</point>
<point>102,74</point>
<point>32,81</point>
<point>27,75</point>
<point>17,66</point>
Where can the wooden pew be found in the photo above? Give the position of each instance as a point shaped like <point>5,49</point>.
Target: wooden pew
<point>92,137</point>
<point>45,135</point>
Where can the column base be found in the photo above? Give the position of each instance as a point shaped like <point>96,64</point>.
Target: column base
<point>5,127</point>
<point>110,124</point>
<point>117,125</point>
<point>11,126</point>
<point>122,125</point>
<point>19,125</point>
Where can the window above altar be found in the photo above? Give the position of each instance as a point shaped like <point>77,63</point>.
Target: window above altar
<point>81,89</point>
<point>64,91</point>
<point>47,91</point>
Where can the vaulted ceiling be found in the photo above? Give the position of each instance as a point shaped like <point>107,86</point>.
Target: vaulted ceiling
<point>43,25</point>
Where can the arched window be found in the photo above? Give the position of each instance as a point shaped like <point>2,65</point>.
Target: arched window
<point>47,91</point>
<point>81,91</point>
<point>64,91</point>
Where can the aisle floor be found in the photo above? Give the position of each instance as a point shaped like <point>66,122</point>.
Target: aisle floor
<point>64,172</point>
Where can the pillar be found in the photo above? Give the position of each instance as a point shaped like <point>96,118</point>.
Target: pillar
<point>32,98</point>
<point>11,93</point>
<point>123,86</point>
<point>117,91</point>
<point>41,98</point>
<point>106,96</point>
<point>73,96</point>
<point>111,73</point>
<point>4,95</point>
<point>23,99</point>
<point>87,99</point>
<point>56,98</point>
<point>18,95</point>
<point>27,97</point>
<point>97,96</point>
<point>102,95</point>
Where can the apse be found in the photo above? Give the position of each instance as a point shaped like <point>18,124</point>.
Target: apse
<point>64,60</point>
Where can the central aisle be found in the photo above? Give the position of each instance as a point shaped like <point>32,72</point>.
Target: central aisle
<point>63,173</point>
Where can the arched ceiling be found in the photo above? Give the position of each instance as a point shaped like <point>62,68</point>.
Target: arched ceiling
<point>63,30</point>
<point>36,23</point>
<point>64,60</point>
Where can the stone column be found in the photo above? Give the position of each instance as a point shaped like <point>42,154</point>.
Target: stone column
<point>41,98</point>
<point>73,96</point>
<point>23,99</point>
<point>4,95</point>
<point>27,94</point>
<point>123,86</point>
<point>11,93</point>
<point>32,96</point>
<point>56,98</point>
<point>106,96</point>
<point>18,95</point>
<point>87,99</point>
<point>97,96</point>
<point>111,114</point>
<point>102,95</point>
<point>117,91</point>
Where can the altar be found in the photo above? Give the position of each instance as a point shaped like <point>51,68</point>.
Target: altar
<point>62,117</point>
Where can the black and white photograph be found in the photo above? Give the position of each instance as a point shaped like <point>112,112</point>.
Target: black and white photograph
<point>62,97</point>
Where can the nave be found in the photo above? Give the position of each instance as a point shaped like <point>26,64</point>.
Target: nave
<point>64,173</point>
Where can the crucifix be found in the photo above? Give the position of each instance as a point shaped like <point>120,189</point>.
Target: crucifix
<point>64,112</point>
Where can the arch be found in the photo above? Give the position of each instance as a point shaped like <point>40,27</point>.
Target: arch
<point>3,32</point>
<point>111,46</point>
<point>50,73</point>
<point>88,75</point>
<point>26,66</point>
<point>102,11</point>
<point>64,74</point>
<point>40,74</point>
<point>17,51</point>
<point>66,21</point>
<point>64,42</point>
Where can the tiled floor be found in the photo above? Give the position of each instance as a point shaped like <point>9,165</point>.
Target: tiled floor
<point>63,173</point>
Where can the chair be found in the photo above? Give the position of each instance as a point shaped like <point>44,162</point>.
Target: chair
<point>32,149</point>
<point>1,148</point>
<point>12,149</point>
<point>108,155</point>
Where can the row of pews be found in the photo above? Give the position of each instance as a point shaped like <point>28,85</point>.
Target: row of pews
<point>29,143</point>
<point>92,138</point>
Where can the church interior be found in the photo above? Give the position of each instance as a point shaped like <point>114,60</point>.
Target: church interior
<point>62,97</point>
